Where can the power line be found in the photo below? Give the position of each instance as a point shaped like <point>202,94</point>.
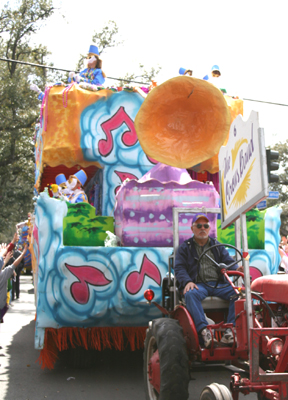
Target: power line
<point>33,65</point>
<point>65,70</point>
<point>267,102</point>
<point>116,79</point>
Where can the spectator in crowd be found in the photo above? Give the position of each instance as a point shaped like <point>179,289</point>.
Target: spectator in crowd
<point>9,261</point>
<point>6,261</point>
<point>5,274</point>
<point>17,273</point>
<point>283,241</point>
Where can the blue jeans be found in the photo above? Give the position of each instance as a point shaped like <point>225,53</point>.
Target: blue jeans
<point>194,297</point>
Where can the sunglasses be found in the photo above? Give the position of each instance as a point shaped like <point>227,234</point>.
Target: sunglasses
<point>199,226</point>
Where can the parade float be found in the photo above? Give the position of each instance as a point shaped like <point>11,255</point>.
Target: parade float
<point>89,289</point>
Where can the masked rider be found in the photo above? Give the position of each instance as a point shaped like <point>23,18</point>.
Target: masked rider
<point>93,74</point>
<point>75,185</point>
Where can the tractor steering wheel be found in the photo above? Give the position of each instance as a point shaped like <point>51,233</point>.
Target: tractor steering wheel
<point>220,265</point>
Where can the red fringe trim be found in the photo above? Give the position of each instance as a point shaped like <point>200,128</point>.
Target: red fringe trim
<point>90,338</point>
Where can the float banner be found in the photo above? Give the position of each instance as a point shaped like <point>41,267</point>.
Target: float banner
<point>243,169</point>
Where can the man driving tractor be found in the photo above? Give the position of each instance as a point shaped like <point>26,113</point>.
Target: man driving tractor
<point>200,281</point>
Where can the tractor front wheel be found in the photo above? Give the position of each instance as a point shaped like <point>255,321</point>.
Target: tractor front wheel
<point>216,391</point>
<point>166,367</point>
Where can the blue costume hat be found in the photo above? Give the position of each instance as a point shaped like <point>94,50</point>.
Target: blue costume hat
<point>81,176</point>
<point>215,68</point>
<point>60,179</point>
<point>183,71</point>
<point>93,50</point>
<point>199,215</point>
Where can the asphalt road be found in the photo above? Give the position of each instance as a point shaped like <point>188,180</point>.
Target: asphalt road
<point>116,375</point>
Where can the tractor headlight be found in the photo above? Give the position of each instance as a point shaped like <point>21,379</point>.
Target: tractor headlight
<point>275,346</point>
<point>149,295</point>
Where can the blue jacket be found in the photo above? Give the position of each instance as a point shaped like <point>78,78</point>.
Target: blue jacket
<point>93,76</point>
<point>186,263</point>
<point>78,197</point>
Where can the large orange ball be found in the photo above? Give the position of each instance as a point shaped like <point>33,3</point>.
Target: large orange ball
<point>183,122</point>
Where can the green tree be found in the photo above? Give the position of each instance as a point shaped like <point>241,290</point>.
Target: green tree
<point>107,37</point>
<point>282,185</point>
<point>143,76</point>
<point>19,108</point>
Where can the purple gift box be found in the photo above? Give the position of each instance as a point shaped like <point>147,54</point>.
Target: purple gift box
<point>144,208</point>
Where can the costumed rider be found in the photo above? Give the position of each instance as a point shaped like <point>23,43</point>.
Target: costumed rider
<point>59,188</point>
<point>215,73</point>
<point>36,89</point>
<point>191,282</point>
<point>75,184</point>
<point>213,78</point>
<point>93,74</point>
<point>183,71</point>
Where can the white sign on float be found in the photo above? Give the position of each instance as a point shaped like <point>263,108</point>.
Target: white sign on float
<point>243,169</point>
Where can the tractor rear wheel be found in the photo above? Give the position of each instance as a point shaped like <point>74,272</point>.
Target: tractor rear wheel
<point>166,367</point>
<point>216,391</point>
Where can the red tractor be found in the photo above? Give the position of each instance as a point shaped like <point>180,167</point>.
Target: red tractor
<point>260,340</point>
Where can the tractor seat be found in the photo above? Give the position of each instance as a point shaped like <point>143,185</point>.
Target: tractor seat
<point>214,303</point>
<point>210,303</point>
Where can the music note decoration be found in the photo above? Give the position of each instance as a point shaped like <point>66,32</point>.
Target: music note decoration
<point>135,279</point>
<point>129,137</point>
<point>86,275</point>
<point>123,176</point>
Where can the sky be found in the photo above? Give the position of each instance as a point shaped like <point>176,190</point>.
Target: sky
<point>247,39</point>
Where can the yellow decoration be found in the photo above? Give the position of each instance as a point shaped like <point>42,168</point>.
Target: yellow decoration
<point>241,194</point>
<point>234,151</point>
<point>61,140</point>
<point>54,187</point>
<point>236,106</point>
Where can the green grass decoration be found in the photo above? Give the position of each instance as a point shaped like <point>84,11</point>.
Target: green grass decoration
<point>81,227</point>
<point>255,221</point>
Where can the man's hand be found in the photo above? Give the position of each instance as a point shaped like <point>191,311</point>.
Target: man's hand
<point>240,269</point>
<point>3,249</point>
<point>190,286</point>
<point>7,258</point>
<point>15,238</point>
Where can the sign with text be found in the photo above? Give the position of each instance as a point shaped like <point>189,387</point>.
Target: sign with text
<point>273,195</point>
<point>243,171</point>
<point>262,205</point>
